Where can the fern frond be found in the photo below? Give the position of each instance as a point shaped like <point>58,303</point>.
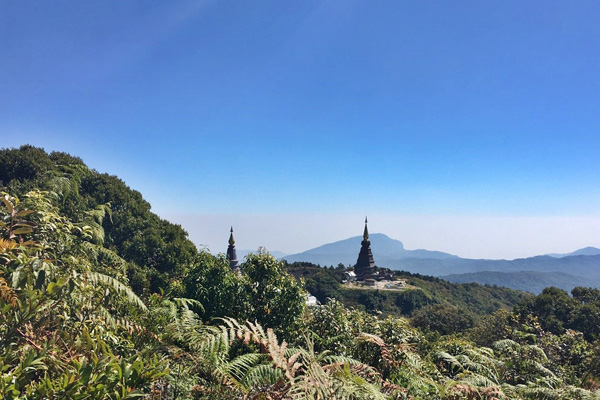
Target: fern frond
<point>186,303</point>
<point>541,393</point>
<point>97,277</point>
<point>386,353</point>
<point>6,245</point>
<point>506,345</point>
<point>452,361</point>
<point>261,375</point>
<point>8,294</point>
<point>478,380</point>
<point>104,256</point>
<point>236,370</point>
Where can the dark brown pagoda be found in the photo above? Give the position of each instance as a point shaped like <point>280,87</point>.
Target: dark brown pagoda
<point>232,254</point>
<point>365,265</point>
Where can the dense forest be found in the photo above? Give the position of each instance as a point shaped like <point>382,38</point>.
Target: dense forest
<point>102,299</point>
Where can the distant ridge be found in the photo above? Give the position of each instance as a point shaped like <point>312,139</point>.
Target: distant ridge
<point>346,252</point>
<point>586,251</point>
<point>527,281</point>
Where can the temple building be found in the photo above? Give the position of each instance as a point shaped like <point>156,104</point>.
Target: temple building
<point>231,253</point>
<point>365,265</point>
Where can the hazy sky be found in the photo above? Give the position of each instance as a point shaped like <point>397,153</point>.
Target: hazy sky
<point>470,127</point>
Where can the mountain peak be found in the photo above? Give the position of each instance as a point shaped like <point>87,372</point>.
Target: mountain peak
<point>585,251</point>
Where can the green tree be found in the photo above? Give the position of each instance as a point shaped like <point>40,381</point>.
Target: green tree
<point>277,299</point>
<point>444,319</point>
<point>552,307</point>
<point>222,292</point>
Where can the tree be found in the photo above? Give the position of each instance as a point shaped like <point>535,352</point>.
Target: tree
<point>222,292</point>
<point>277,299</point>
<point>444,319</point>
<point>586,295</point>
<point>552,307</point>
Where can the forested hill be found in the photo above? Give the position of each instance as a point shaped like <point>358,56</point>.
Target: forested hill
<point>156,249</point>
<point>472,299</point>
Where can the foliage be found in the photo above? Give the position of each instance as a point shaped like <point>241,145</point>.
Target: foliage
<point>212,282</point>
<point>444,319</point>
<point>63,328</point>
<point>557,311</point>
<point>478,300</point>
<point>262,292</point>
<point>155,249</point>
<point>276,298</point>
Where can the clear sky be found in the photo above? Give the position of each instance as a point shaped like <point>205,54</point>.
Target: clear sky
<point>470,127</point>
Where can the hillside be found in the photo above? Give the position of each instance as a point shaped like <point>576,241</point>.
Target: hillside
<point>473,298</point>
<point>156,250</point>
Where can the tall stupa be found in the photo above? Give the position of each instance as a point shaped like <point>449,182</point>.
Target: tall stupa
<point>365,265</point>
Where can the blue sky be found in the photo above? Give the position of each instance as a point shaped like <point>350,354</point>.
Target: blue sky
<point>269,112</point>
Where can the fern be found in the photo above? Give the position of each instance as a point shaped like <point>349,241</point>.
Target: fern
<point>97,277</point>
<point>8,294</point>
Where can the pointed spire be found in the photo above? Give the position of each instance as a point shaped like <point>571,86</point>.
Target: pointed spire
<point>366,233</point>
<point>231,253</point>
<point>231,239</point>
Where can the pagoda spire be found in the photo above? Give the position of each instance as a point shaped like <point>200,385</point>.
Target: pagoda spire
<point>232,254</point>
<point>366,232</point>
<point>231,239</point>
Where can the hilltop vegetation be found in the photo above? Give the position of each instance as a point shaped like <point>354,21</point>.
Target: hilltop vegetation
<point>474,300</point>
<point>101,299</point>
<point>155,249</point>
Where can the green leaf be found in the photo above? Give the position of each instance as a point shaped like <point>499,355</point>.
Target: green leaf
<point>97,277</point>
<point>25,223</point>
<point>8,204</point>
<point>23,213</point>
<point>53,287</point>
<point>86,373</point>
<point>22,231</point>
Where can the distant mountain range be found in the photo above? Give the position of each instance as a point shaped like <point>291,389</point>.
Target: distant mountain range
<point>582,267</point>
<point>387,251</point>
<point>528,281</point>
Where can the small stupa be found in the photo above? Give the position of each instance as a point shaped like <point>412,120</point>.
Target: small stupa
<point>232,254</point>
